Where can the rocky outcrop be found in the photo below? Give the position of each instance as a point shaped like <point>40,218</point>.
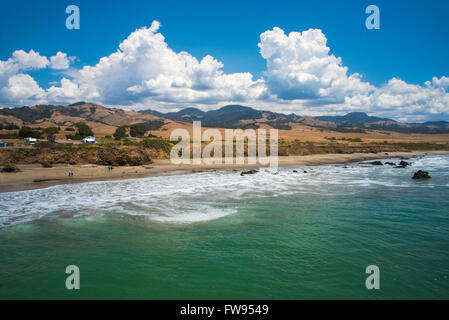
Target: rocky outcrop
<point>403,164</point>
<point>248,172</point>
<point>421,175</point>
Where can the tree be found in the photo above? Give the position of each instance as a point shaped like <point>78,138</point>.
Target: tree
<point>137,130</point>
<point>120,133</point>
<point>84,130</point>
<point>27,132</point>
<point>51,130</point>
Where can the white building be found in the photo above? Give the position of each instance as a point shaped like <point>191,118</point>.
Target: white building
<point>89,140</point>
<point>29,141</point>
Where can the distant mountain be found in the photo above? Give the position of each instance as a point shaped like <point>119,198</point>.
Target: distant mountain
<point>354,118</point>
<point>242,116</point>
<point>47,115</point>
<point>230,116</point>
<point>227,116</point>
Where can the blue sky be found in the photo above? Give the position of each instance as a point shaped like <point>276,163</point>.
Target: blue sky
<point>411,46</point>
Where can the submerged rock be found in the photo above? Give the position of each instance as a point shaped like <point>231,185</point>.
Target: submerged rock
<point>421,175</point>
<point>402,164</point>
<point>390,163</point>
<point>249,172</point>
<point>376,163</point>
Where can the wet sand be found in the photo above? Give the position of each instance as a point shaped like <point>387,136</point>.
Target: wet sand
<point>35,176</point>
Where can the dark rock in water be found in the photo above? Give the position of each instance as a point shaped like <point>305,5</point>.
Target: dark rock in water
<point>305,171</point>
<point>295,171</point>
<point>421,175</point>
<point>248,172</point>
<point>402,164</point>
<point>390,163</point>
<point>375,163</point>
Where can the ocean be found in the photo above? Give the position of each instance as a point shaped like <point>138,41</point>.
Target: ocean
<point>308,234</point>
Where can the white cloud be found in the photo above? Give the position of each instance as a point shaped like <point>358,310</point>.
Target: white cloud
<point>21,88</point>
<point>302,77</point>
<point>299,66</point>
<point>30,60</point>
<point>145,68</point>
<point>60,61</point>
<point>443,82</point>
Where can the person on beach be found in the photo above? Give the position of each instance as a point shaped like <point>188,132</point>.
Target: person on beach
<point>70,173</point>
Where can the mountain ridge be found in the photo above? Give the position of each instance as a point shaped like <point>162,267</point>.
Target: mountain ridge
<point>227,116</point>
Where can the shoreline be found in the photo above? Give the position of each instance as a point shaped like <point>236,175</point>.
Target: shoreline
<point>36,177</point>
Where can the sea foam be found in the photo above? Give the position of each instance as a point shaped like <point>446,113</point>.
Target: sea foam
<point>197,197</point>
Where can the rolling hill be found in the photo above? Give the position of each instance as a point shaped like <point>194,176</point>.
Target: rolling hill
<point>105,120</point>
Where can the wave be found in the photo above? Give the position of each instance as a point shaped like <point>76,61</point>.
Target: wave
<point>207,196</point>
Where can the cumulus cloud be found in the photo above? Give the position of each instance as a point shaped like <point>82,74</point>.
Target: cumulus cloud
<point>60,61</point>
<point>30,60</point>
<point>299,66</point>
<point>302,76</point>
<point>17,87</point>
<point>21,88</point>
<point>404,101</point>
<point>146,68</point>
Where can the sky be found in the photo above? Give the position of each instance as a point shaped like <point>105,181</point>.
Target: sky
<point>307,57</point>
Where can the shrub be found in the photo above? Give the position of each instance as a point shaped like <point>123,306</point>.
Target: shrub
<point>83,130</point>
<point>44,144</point>
<point>51,130</point>
<point>46,165</point>
<point>27,132</point>
<point>69,129</point>
<point>10,168</point>
<point>120,133</point>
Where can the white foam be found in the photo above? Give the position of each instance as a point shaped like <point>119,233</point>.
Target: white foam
<point>205,196</point>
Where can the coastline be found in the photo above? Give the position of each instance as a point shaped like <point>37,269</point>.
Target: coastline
<point>36,177</point>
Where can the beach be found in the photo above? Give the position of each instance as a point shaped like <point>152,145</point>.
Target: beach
<point>35,176</point>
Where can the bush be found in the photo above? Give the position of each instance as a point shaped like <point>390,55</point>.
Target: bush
<point>27,132</point>
<point>51,130</point>
<point>8,126</point>
<point>69,129</point>
<point>11,168</point>
<point>83,130</point>
<point>44,144</point>
<point>120,133</point>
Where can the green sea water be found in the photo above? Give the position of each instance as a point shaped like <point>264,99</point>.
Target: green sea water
<point>284,236</point>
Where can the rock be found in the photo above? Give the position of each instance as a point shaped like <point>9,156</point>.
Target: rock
<point>402,164</point>
<point>390,163</point>
<point>305,171</point>
<point>375,163</point>
<point>248,172</point>
<point>421,175</point>
<point>295,171</point>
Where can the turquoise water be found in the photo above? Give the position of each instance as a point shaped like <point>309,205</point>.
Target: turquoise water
<point>222,236</point>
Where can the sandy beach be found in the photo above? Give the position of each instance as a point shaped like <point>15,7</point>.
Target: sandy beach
<point>35,176</point>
